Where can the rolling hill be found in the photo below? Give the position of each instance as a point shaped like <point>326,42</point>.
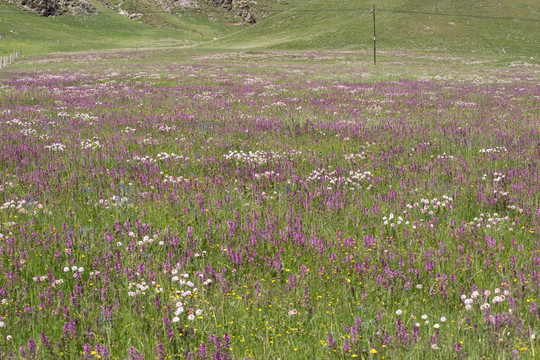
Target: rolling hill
<point>457,26</point>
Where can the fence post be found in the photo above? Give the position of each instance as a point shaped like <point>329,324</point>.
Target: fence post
<point>9,59</point>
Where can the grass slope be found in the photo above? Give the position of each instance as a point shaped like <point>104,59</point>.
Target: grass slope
<point>307,25</point>
<point>36,35</point>
<point>323,24</point>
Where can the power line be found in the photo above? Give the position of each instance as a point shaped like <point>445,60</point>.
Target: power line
<point>398,11</point>
<point>458,15</point>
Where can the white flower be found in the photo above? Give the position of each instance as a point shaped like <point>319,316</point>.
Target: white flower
<point>74,268</point>
<point>419,286</point>
<point>487,293</point>
<point>191,317</point>
<point>399,312</point>
<point>198,312</point>
<point>9,338</point>
<point>533,336</point>
<point>463,297</point>
<point>161,243</point>
<point>436,326</point>
<point>475,294</point>
<point>2,324</point>
<point>174,271</point>
<point>417,325</point>
<point>424,317</point>
<point>66,269</point>
<point>174,279</point>
<point>119,244</point>
<point>484,307</point>
<point>81,269</point>
<point>435,346</point>
<point>443,319</point>
<point>179,311</point>
<point>175,319</point>
<point>293,312</point>
<point>468,307</point>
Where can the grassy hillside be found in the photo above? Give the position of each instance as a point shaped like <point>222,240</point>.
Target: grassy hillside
<point>339,24</point>
<point>36,35</point>
<point>461,26</point>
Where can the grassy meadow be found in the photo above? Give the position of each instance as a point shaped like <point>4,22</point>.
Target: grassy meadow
<point>188,204</point>
<point>190,187</point>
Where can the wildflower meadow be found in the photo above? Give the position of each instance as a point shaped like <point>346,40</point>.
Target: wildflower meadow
<point>269,205</point>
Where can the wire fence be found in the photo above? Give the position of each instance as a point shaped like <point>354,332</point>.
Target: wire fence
<point>9,59</point>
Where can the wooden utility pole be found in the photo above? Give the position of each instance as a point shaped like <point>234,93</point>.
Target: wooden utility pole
<point>374,44</point>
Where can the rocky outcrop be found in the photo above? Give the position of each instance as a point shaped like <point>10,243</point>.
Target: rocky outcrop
<point>185,4</point>
<point>226,4</point>
<point>241,7</point>
<point>244,11</point>
<point>169,5</point>
<point>56,7</point>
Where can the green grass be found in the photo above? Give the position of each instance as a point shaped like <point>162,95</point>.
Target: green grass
<point>319,92</point>
<point>36,35</point>
<point>304,25</point>
<point>320,24</point>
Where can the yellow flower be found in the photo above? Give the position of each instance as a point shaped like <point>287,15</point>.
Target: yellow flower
<point>373,351</point>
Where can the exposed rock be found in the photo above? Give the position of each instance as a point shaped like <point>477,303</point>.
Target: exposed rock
<point>185,4</point>
<point>132,16</point>
<point>226,4</point>
<point>242,7</point>
<point>56,7</point>
<point>170,5</point>
<point>245,11</point>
